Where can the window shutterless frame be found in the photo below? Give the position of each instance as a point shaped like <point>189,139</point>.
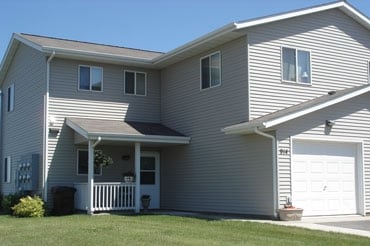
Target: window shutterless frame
<point>296,66</point>
<point>78,164</point>
<point>7,169</point>
<point>135,73</point>
<point>10,98</point>
<point>91,68</point>
<point>210,72</point>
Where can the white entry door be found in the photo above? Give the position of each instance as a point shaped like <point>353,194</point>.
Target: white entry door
<point>149,177</point>
<point>323,177</point>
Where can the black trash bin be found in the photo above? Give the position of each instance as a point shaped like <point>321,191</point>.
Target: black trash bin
<point>64,199</point>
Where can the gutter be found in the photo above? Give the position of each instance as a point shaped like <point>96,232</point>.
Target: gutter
<point>274,168</point>
<point>46,130</point>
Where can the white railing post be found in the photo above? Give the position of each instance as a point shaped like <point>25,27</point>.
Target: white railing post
<point>137,173</point>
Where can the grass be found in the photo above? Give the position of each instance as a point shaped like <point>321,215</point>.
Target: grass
<point>158,230</point>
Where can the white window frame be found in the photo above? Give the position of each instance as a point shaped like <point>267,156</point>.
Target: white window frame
<point>135,92</point>
<point>77,167</point>
<point>90,84</point>
<point>10,98</point>
<point>296,65</point>
<point>200,65</point>
<point>7,169</point>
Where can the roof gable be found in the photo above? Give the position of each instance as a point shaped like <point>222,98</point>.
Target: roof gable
<point>285,115</point>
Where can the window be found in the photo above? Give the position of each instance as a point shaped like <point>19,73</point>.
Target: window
<point>135,83</point>
<point>7,169</point>
<point>90,78</point>
<point>368,72</point>
<point>147,172</point>
<point>83,163</point>
<point>11,98</point>
<point>296,65</point>
<point>210,71</point>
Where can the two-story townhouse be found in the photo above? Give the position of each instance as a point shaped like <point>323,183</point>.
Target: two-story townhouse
<point>236,121</point>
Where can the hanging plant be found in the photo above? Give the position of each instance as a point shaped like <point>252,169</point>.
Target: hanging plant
<point>101,159</point>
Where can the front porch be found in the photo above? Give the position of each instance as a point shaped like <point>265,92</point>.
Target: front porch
<point>109,196</point>
<point>106,196</point>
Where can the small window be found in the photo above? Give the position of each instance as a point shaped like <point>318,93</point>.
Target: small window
<point>210,71</point>
<point>296,65</point>
<point>90,78</point>
<point>135,83</point>
<point>83,163</point>
<point>147,172</point>
<point>11,98</point>
<point>7,169</point>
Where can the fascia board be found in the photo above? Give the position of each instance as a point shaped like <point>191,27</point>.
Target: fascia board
<point>77,128</point>
<point>139,138</point>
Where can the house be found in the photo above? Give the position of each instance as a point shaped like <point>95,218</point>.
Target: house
<point>236,121</point>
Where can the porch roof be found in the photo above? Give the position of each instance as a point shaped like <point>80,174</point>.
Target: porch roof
<point>279,117</point>
<point>125,131</point>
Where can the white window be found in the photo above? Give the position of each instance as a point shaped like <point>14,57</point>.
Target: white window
<point>135,83</point>
<point>83,163</point>
<point>296,65</point>
<point>11,98</point>
<point>7,169</point>
<point>90,78</point>
<point>210,71</point>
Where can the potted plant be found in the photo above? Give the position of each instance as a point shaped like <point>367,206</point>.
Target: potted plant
<point>128,177</point>
<point>145,201</point>
<point>289,212</point>
<point>101,159</point>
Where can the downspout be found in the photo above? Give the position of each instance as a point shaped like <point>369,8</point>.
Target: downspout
<point>274,168</point>
<point>46,130</point>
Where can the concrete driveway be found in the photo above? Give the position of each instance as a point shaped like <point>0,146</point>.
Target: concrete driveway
<point>352,224</point>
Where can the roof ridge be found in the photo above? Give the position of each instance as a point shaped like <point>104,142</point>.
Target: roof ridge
<point>86,42</point>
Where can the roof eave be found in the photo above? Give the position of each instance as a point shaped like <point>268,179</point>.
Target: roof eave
<point>139,138</point>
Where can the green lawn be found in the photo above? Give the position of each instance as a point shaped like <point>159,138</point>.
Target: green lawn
<point>158,230</point>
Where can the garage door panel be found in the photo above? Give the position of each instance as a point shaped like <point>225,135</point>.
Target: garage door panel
<point>323,177</point>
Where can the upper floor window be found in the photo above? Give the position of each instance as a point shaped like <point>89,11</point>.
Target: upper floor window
<point>11,98</point>
<point>210,70</point>
<point>135,83</point>
<point>83,163</point>
<point>7,169</point>
<point>90,78</point>
<point>296,65</point>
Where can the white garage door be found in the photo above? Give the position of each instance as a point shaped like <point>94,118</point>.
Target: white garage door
<point>323,177</point>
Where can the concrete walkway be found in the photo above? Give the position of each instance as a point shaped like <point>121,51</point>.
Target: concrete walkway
<point>352,224</point>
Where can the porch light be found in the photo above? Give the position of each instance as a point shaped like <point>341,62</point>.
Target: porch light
<point>329,123</point>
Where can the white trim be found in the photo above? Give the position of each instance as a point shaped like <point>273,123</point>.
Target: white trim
<point>77,165</point>
<point>359,165</point>
<point>137,180</point>
<point>90,83</point>
<point>210,72</point>
<point>135,73</point>
<point>296,66</point>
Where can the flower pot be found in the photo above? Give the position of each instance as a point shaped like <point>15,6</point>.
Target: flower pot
<point>290,214</point>
<point>128,179</point>
<point>145,202</point>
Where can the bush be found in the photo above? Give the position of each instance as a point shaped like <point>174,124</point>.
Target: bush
<point>29,207</point>
<point>9,201</point>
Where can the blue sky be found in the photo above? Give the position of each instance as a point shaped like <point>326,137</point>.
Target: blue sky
<point>160,25</point>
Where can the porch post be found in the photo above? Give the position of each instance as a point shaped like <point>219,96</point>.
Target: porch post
<point>137,181</point>
<point>90,177</point>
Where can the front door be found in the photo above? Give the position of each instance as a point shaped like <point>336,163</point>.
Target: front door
<point>149,177</point>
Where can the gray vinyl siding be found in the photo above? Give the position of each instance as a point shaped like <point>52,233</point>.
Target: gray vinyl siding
<point>351,118</point>
<point>333,39</point>
<point>110,104</point>
<point>23,128</point>
<point>215,172</point>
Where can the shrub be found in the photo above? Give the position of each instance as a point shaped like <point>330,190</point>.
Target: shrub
<point>29,207</point>
<point>9,201</point>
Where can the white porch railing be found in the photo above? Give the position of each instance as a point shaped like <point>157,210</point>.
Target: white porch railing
<point>106,196</point>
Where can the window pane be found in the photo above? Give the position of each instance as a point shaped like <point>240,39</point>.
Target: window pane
<point>84,78</point>
<point>6,170</point>
<point>9,98</point>
<point>215,69</point>
<point>83,163</point>
<point>147,163</point>
<point>147,178</point>
<point>205,73</point>
<point>97,79</point>
<point>289,68</point>
<point>129,83</point>
<point>140,83</point>
<point>304,74</point>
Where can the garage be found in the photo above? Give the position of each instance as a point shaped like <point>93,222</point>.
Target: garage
<point>323,177</point>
